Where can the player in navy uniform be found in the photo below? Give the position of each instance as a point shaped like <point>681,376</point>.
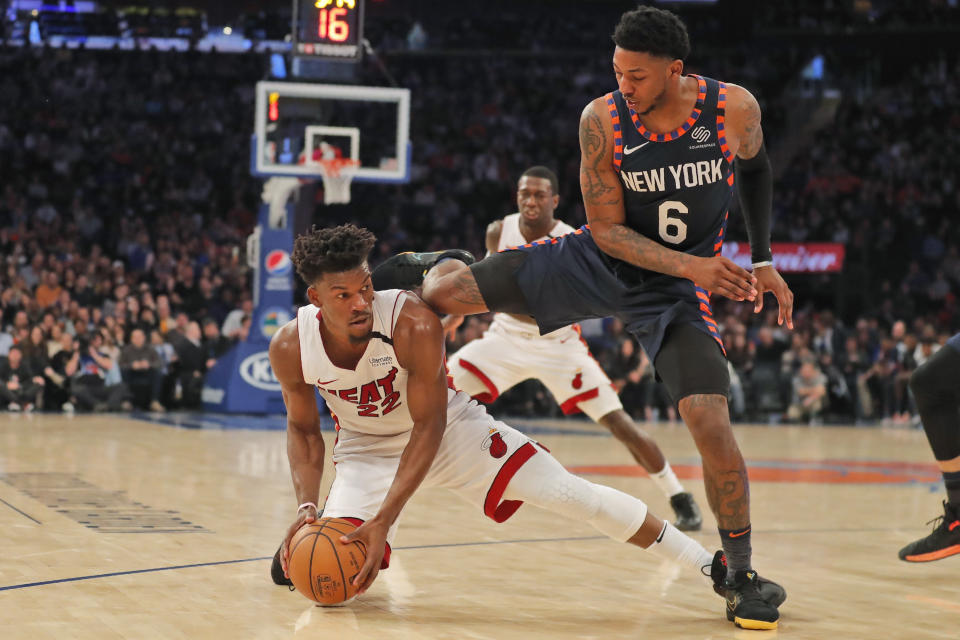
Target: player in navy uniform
<point>658,159</point>
<point>934,385</point>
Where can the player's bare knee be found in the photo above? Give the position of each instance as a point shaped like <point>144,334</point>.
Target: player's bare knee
<point>715,441</point>
<point>620,425</point>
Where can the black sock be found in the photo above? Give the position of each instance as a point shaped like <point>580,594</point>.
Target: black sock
<point>952,480</point>
<point>736,547</point>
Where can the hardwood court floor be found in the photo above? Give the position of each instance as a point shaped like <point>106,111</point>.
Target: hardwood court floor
<point>114,527</point>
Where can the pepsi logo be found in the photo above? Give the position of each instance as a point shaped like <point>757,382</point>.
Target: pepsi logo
<point>277,263</point>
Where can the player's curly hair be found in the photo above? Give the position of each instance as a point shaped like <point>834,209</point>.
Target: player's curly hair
<point>330,250</point>
<point>655,31</point>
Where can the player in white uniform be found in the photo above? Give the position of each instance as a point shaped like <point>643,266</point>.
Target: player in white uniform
<point>378,361</point>
<point>512,350</point>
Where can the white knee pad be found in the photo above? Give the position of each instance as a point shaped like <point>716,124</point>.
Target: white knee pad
<point>542,481</point>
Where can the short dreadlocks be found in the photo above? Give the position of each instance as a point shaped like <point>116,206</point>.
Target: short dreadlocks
<point>331,250</point>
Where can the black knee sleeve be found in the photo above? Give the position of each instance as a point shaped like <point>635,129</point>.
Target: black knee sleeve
<point>936,388</point>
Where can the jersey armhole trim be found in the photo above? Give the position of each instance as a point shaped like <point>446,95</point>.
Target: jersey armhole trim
<point>617,131</point>
<point>721,126</point>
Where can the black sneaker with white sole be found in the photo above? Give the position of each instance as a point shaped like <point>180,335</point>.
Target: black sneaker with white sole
<point>406,270</point>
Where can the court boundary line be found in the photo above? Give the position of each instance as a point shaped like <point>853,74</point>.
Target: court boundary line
<point>113,574</point>
<point>23,513</point>
<point>441,545</point>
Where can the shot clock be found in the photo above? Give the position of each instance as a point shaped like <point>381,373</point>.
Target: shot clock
<point>328,28</point>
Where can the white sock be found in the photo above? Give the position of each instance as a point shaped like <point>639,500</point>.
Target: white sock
<point>674,545</point>
<point>667,480</point>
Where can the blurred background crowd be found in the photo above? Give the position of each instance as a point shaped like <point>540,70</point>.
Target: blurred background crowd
<point>126,196</point>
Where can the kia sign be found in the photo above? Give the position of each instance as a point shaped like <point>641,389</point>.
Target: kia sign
<point>793,257</point>
<point>255,371</point>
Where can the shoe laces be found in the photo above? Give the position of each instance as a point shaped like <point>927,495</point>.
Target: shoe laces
<point>936,522</point>
<point>941,520</point>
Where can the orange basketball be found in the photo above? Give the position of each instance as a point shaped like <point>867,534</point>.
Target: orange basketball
<point>320,566</point>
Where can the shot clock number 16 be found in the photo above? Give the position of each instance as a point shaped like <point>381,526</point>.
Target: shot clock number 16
<point>331,28</point>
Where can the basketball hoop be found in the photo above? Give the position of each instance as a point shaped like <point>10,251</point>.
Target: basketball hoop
<point>337,173</point>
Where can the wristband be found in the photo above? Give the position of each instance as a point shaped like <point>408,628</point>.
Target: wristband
<point>765,263</point>
<point>307,504</point>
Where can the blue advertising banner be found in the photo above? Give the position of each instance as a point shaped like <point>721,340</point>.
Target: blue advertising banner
<point>242,380</point>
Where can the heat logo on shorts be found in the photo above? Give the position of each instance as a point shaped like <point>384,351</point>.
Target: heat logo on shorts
<point>278,263</point>
<point>495,444</point>
<point>577,380</point>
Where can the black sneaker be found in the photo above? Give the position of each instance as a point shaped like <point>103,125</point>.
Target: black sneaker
<point>771,592</point>
<point>746,608</point>
<point>688,513</point>
<point>276,571</point>
<point>406,270</point>
<point>942,542</point>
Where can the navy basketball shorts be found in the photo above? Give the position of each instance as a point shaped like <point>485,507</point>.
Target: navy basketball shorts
<point>568,279</point>
<point>954,342</point>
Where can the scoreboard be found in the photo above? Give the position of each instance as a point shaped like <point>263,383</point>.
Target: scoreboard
<point>328,28</point>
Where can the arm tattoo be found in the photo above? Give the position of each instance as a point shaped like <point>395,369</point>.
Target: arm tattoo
<point>593,145</point>
<point>465,289</point>
<point>752,132</point>
<point>630,246</point>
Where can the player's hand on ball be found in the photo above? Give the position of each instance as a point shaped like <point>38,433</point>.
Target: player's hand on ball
<point>722,275</point>
<point>373,535</point>
<point>768,279</point>
<point>306,515</point>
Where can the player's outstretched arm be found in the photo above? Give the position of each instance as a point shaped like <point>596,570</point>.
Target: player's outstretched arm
<point>418,341</point>
<point>305,448</point>
<point>755,187</point>
<point>603,200</point>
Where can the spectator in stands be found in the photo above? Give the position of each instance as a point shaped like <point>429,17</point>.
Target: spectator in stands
<point>19,385</point>
<point>142,370</point>
<point>49,289</point>
<point>809,393</point>
<point>233,324</point>
<point>214,344</point>
<point>168,367</point>
<point>35,349</point>
<point>64,364</point>
<point>6,341</point>
<point>193,364</point>
<point>838,400</point>
<point>89,388</point>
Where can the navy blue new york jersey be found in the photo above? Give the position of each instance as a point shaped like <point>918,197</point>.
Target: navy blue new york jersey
<point>676,186</point>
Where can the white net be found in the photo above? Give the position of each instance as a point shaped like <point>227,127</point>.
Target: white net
<point>337,176</point>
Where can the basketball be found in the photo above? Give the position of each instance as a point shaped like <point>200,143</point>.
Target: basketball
<point>320,566</point>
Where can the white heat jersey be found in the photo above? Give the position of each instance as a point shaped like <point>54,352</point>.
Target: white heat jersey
<point>510,237</point>
<point>369,403</point>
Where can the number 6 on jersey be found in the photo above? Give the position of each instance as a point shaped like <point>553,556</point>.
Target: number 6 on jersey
<point>667,222</point>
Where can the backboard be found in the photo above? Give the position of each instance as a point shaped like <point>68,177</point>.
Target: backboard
<point>298,124</point>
